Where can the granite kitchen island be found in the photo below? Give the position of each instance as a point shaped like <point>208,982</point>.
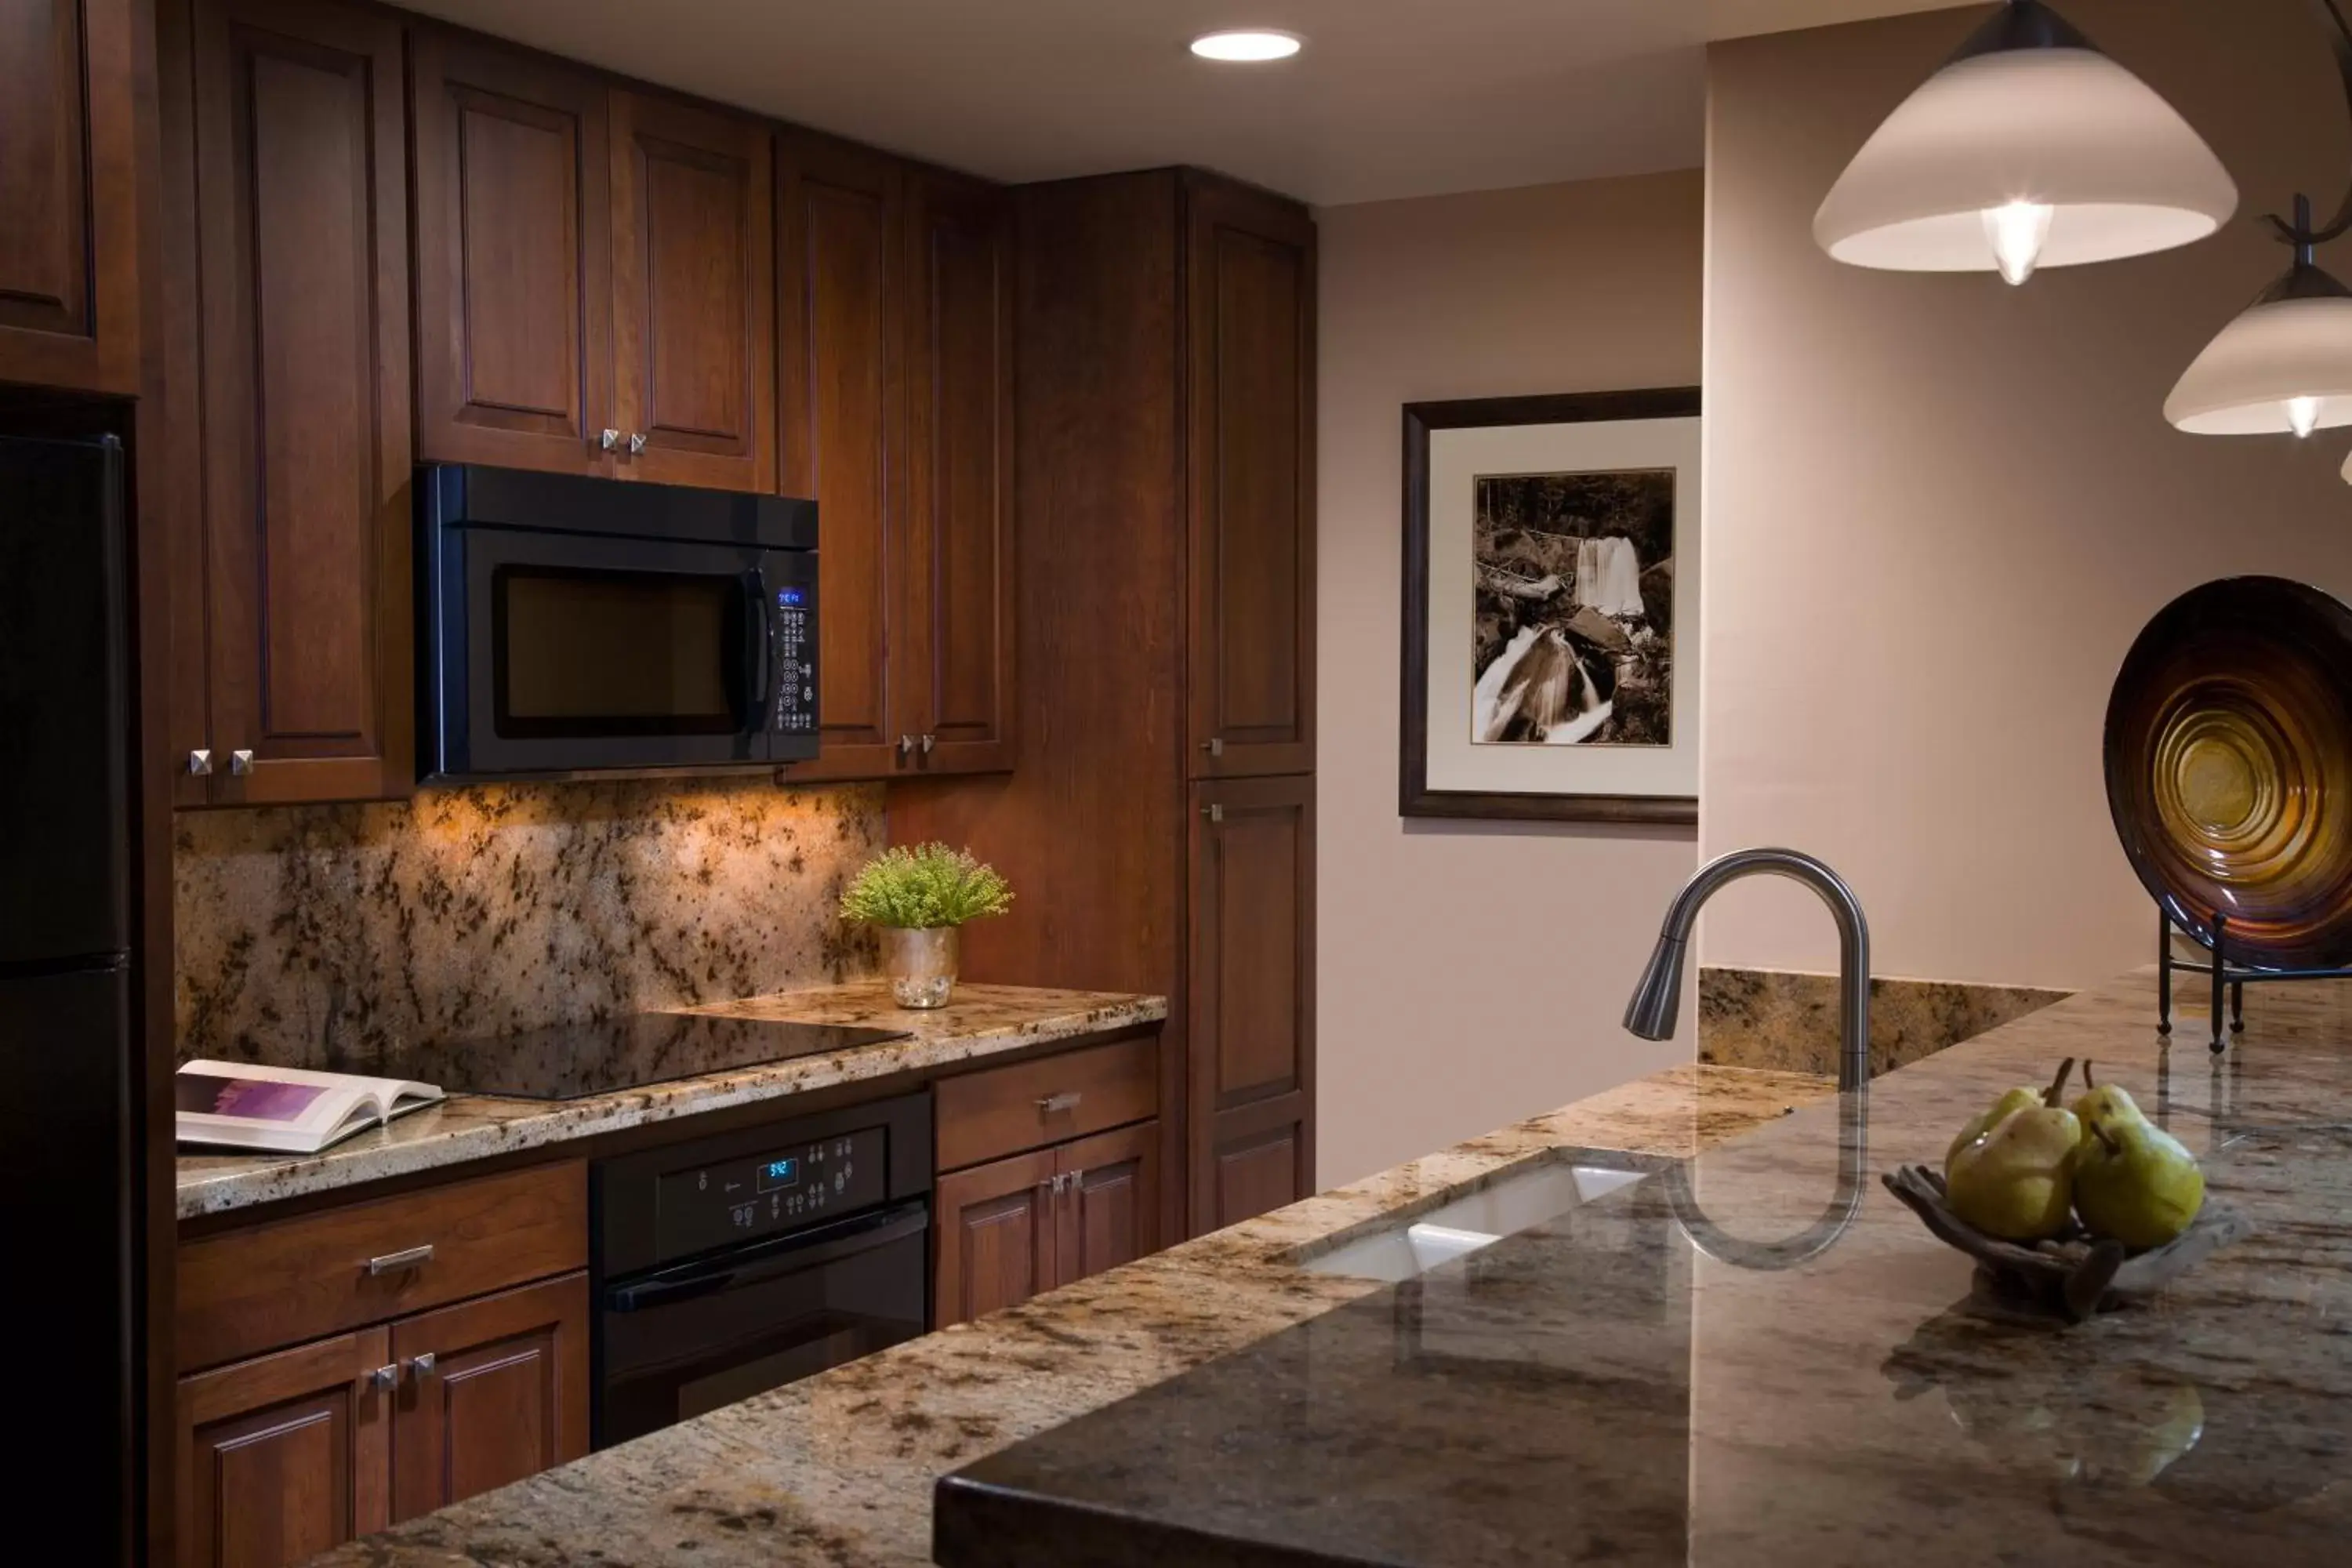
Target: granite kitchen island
<point>1594,1387</point>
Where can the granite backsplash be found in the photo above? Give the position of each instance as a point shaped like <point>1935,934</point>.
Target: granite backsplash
<point>311,936</point>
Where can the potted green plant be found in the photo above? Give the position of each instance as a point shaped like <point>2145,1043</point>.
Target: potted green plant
<point>919,899</point>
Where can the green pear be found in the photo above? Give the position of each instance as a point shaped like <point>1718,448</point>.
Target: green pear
<point>2106,1102</point>
<point>1984,1121</point>
<point>2016,1181</point>
<point>2136,1183</point>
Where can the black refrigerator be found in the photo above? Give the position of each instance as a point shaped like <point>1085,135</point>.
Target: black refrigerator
<point>68,1122</point>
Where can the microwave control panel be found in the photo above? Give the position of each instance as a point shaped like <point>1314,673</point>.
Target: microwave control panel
<point>779,1190</point>
<point>793,659</point>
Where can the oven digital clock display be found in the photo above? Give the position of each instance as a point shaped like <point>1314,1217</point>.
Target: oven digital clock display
<point>775,1173</point>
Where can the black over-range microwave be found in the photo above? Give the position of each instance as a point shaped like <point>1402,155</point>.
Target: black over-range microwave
<point>573,625</point>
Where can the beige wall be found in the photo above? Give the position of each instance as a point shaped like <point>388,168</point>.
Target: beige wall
<point>1939,509</point>
<point>1471,973</point>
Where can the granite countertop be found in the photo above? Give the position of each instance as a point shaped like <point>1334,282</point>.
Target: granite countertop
<point>838,1470</point>
<point>981,1021</point>
<point>1600,1387</point>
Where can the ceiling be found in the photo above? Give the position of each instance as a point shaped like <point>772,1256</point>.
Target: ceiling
<point>1390,97</point>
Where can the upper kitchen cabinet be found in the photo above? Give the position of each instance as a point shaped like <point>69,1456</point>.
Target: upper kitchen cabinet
<point>301,244</point>
<point>594,273</point>
<point>694,348</point>
<point>69,263</point>
<point>959,586</point>
<point>894,287</point>
<point>1249,281</point>
<point>839,213</point>
<point>514,291</point>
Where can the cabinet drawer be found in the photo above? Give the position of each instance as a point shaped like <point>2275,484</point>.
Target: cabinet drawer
<point>252,1291</point>
<point>1002,1111</point>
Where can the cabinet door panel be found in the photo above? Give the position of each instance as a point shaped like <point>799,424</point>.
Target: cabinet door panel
<point>69,298</point>
<point>1250,271</point>
<point>959,645</point>
<point>302,233</point>
<point>1110,1199</point>
<point>283,1456</point>
<point>1251,995</point>
<point>514,297</point>
<point>505,1396</point>
<point>839,297</point>
<point>996,1236</point>
<point>694,280</point>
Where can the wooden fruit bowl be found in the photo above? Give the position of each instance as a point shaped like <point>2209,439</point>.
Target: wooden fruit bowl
<point>2077,1275</point>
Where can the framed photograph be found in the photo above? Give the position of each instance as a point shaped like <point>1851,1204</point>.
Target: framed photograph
<point>1552,607</point>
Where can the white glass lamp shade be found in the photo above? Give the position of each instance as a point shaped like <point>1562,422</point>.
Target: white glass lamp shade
<point>2284,365</point>
<point>2003,134</point>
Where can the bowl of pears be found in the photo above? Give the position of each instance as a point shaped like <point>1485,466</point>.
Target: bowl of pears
<point>2069,1209</point>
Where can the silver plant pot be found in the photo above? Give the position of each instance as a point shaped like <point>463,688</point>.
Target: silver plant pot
<point>921,963</point>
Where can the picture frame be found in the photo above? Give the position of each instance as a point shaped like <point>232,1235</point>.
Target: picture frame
<point>1551,695</point>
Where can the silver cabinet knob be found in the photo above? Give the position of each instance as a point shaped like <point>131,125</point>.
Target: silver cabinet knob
<point>607,440</point>
<point>906,745</point>
<point>383,1376</point>
<point>200,763</point>
<point>240,763</point>
<point>1213,813</point>
<point>929,741</point>
<point>637,442</point>
<point>421,1366</point>
<point>1054,1104</point>
<point>1215,745</point>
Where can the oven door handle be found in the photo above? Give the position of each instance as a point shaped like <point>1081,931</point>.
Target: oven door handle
<point>759,633</point>
<point>786,1255</point>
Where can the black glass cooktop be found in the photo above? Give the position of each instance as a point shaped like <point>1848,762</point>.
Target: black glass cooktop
<point>572,1061</point>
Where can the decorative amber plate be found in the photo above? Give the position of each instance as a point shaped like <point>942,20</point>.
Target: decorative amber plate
<point>2228,762</point>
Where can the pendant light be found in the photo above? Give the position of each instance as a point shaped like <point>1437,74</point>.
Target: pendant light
<point>2284,365</point>
<point>2028,148</point>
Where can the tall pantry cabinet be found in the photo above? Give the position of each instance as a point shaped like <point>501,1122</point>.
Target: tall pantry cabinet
<point>1160,827</point>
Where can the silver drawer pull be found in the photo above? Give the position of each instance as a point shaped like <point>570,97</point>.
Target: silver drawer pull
<point>406,1257</point>
<point>1054,1104</point>
<point>384,1377</point>
<point>422,1366</point>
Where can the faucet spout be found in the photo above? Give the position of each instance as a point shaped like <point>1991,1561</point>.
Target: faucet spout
<point>1650,1013</point>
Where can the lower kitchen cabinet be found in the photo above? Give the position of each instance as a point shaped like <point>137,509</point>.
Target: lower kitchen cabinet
<point>290,1453</point>
<point>1014,1227</point>
<point>285,1455</point>
<point>492,1390</point>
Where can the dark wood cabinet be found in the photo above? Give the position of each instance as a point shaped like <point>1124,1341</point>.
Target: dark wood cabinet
<point>693,288</point>
<point>1109,1211</point>
<point>1015,1227</point>
<point>894,289</point>
<point>69,195</point>
<point>514,248</point>
<point>285,1455</point>
<point>594,285</point>
<point>300,247</point>
<point>494,1390</point>
<point>996,1225</point>
<point>958,655</point>
<point>839,213</point>
<point>1165,614</point>
<point>1252,996</point>
<point>1250,514</point>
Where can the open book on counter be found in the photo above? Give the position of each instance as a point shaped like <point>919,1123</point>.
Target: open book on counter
<point>288,1110</point>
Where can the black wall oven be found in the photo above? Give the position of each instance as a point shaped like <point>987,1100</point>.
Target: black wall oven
<point>737,1264</point>
<point>573,625</point>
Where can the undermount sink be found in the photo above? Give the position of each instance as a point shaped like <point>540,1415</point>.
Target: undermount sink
<point>1411,1248</point>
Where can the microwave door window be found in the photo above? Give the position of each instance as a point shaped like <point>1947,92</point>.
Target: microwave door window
<point>586,653</point>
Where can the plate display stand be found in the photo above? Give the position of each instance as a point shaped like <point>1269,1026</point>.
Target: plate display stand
<point>2226,977</point>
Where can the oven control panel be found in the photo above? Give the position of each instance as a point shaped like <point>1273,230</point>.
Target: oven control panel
<point>773,1191</point>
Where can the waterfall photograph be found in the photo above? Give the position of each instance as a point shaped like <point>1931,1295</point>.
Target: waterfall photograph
<point>1575,592</point>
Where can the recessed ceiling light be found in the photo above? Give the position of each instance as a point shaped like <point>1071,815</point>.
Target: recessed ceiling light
<point>1246,44</point>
